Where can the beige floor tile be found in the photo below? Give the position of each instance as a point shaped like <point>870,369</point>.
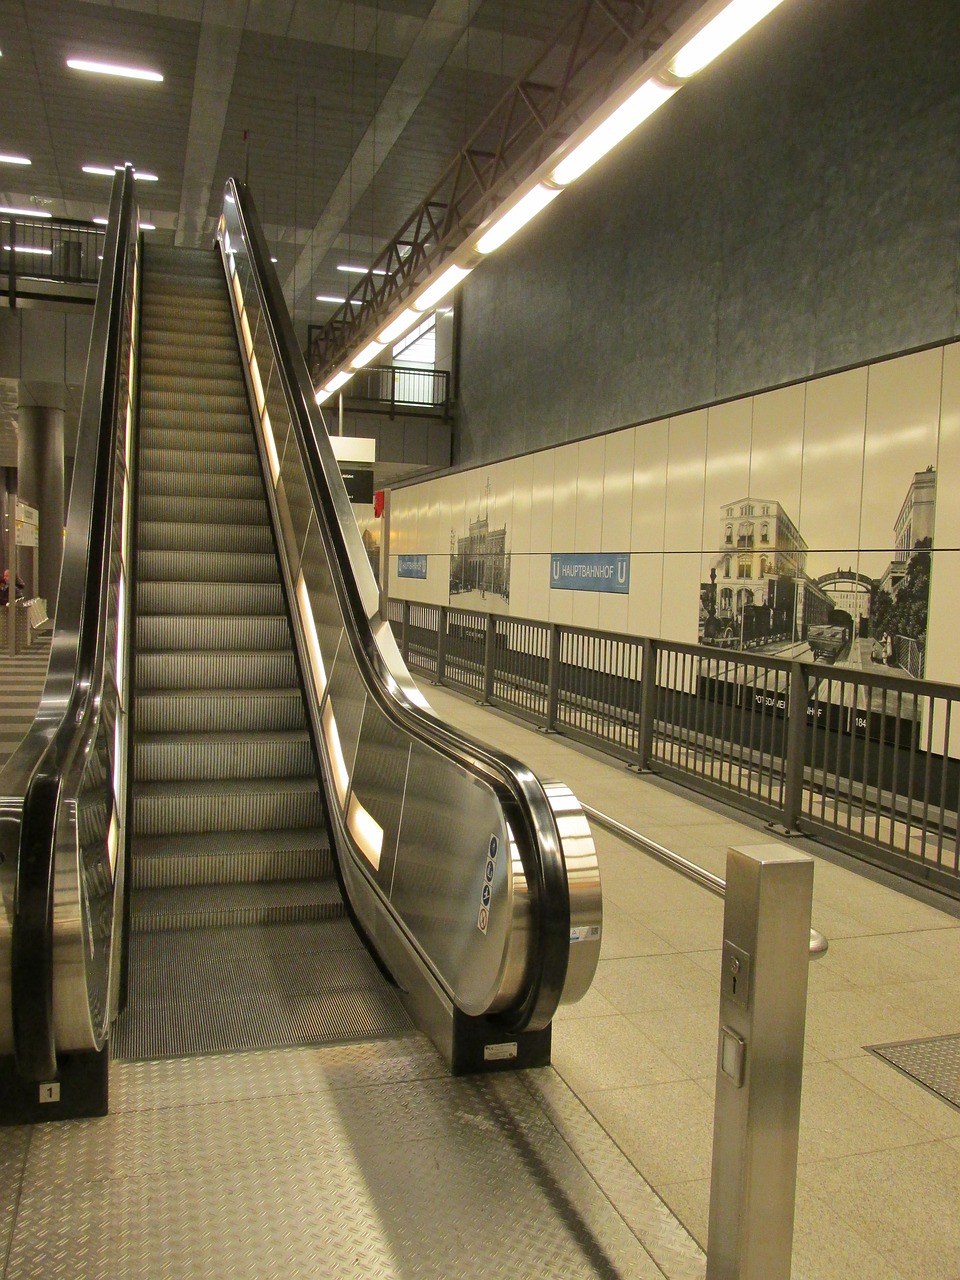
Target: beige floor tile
<point>644,982</point>
<point>624,935</point>
<point>592,1005</point>
<point>904,1201</point>
<point>926,1109</point>
<point>825,1247</point>
<point>686,1032</point>
<point>937,1004</point>
<point>839,1116</point>
<point>881,960</point>
<point>665,1130</point>
<point>609,1053</point>
<point>841,1023</point>
<point>690,1201</point>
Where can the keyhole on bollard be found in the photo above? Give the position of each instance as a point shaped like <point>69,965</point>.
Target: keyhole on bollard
<point>734,969</point>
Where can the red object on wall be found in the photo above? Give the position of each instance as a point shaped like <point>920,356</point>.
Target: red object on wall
<point>378,503</point>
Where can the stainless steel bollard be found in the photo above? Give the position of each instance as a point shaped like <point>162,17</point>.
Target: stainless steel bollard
<point>763,1000</point>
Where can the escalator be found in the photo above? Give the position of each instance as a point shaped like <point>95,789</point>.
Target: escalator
<point>238,932</point>
<point>235,812</point>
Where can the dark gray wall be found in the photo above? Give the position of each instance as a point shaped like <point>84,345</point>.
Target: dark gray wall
<point>794,210</point>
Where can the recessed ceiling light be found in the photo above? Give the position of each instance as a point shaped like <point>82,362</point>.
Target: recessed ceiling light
<point>147,226</point>
<point>101,222</point>
<point>102,171</point>
<point>26,213</point>
<point>273,259</point>
<point>111,69</point>
<point>14,160</point>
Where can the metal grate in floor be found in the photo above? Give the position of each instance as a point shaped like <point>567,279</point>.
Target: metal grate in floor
<point>933,1063</point>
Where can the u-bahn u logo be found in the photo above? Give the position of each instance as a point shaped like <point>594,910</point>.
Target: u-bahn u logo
<point>622,563</point>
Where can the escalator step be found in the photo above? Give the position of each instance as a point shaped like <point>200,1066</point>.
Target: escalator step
<point>229,905</point>
<point>173,757</point>
<point>213,509</point>
<point>215,669</point>
<point>162,632</point>
<point>254,804</point>
<point>187,484</point>
<point>220,710</point>
<point>171,535</point>
<point>238,857</point>
<point>207,566</point>
<point>210,597</point>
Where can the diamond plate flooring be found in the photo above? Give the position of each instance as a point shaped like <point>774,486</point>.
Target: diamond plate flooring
<point>353,1161</point>
<point>934,1063</point>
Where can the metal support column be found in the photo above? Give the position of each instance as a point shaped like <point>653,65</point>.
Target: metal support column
<point>763,1000</point>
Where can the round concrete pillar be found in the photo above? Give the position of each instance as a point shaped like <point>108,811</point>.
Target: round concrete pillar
<point>40,484</point>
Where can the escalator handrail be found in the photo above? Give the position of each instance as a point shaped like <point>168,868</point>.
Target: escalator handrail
<point>534,825</point>
<point>71,691</point>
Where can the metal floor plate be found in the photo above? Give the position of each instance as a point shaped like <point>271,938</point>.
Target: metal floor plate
<point>353,1162</point>
<point>220,990</point>
<point>934,1063</point>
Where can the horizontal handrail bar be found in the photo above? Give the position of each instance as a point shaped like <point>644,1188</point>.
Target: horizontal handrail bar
<point>676,862</point>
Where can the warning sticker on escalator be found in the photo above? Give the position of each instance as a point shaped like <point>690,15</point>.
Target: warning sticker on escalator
<point>486,889</point>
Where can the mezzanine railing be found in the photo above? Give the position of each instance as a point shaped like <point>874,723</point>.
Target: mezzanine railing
<point>58,251</point>
<point>859,758</point>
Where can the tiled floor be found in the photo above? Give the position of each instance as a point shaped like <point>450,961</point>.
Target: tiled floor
<point>879,1171</point>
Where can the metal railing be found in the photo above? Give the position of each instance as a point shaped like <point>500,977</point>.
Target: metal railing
<point>59,250</point>
<point>867,760</point>
<point>393,389</point>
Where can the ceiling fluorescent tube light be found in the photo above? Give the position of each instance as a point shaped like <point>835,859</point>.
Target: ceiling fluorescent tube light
<point>399,326</point>
<point>330,297</point>
<point>366,354</point>
<point>360,271</point>
<point>101,171</point>
<point>516,217</point>
<point>337,381</point>
<point>25,213</point>
<point>637,108</point>
<point>110,69</point>
<point>14,160</point>
<point>719,34</point>
<point>28,248</point>
<point>445,283</point>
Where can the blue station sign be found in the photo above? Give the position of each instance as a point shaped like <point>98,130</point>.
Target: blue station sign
<point>411,566</point>
<point>590,571</point>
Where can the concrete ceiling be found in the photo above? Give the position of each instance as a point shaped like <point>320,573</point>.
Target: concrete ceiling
<point>340,115</point>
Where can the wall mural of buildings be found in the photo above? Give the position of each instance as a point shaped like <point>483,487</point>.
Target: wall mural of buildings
<point>799,521</point>
<point>761,596</point>
<point>480,563</point>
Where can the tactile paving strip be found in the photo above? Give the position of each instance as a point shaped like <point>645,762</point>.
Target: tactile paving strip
<point>934,1063</point>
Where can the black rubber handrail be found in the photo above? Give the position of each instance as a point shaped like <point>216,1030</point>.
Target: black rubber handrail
<point>64,721</point>
<point>526,805</point>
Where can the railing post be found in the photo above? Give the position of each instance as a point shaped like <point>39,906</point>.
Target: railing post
<point>441,643</point>
<point>405,633</point>
<point>648,701</point>
<point>796,747</point>
<point>553,678</point>
<point>489,658</point>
